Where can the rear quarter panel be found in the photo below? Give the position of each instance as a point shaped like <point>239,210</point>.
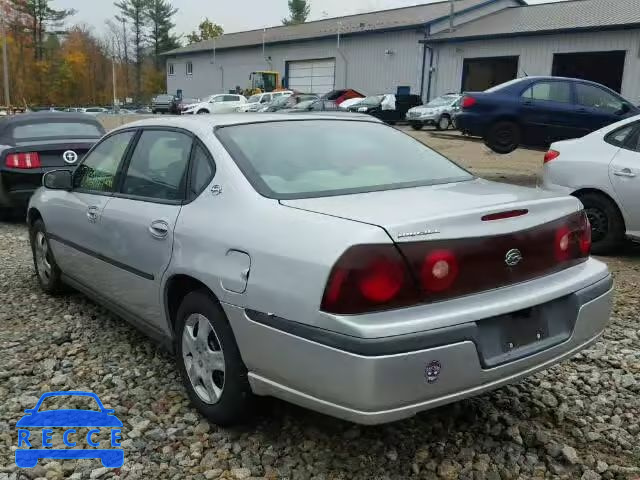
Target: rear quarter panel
<point>292,251</point>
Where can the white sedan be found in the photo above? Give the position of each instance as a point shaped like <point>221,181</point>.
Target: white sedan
<point>220,103</point>
<point>601,169</point>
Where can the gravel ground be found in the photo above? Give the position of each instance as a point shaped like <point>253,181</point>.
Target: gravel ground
<point>578,420</point>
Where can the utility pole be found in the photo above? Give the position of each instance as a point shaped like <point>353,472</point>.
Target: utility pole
<point>116,107</point>
<point>452,12</point>
<point>5,60</point>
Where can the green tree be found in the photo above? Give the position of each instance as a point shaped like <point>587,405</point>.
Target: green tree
<point>206,31</point>
<point>160,13</point>
<point>298,12</point>
<point>135,13</point>
<point>42,19</point>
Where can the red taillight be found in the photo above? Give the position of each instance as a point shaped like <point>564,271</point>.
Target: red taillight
<point>551,155</point>
<point>573,240</point>
<point>439,271</point>
<point>368,278</point>
<point>23,160</point>
<point>468,102</point>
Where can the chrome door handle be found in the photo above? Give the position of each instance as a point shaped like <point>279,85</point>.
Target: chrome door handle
<point>92,214</point>
<point>159,229</point>
<point>625,172</point>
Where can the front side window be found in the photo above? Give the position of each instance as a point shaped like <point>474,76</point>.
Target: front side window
<point>266,98</point>
<point>157,169</point>
<point>97,172</point>
<point>315,158</point>
<point>549,92</point>
<point>189,68</point>
<point>595,97</point>
<point>230,98</point>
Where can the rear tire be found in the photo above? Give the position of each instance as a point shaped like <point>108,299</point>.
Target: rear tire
<point>443,123</point>
<point>47,270</point>
<point>209,361</point>
<point>202,112</point>
<point>417,126</point>
<point>503,137</point>
<point>607,224</point>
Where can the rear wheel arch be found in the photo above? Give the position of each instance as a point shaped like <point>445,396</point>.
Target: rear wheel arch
<point>607,214</point>
<point>594,191</point>
<point>32,215</point>
<point>176,289</point>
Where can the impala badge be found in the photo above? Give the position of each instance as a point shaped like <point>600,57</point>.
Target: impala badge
<point>513,257</point>
<point>418,234</point>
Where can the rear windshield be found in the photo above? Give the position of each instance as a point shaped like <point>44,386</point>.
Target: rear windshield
<point>56,130</point>
<point>315,158</point>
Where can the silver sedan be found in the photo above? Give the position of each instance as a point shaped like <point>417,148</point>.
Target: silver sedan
<point>328,260</point>
<point>601,169</point>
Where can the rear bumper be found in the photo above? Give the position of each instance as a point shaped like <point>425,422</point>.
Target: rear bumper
<point>471,123</point>
<point>16,188</point>
<point>354,382</point>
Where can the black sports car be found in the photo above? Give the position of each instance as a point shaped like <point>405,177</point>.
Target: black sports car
<point>34,143</point>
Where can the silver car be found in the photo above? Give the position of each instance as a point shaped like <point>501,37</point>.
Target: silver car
<point>439,112</point>
<point>601,169</point>
<point>328,260</point>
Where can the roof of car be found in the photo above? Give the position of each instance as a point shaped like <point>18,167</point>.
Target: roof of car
<point>45,116</point>
<point>206,122</point>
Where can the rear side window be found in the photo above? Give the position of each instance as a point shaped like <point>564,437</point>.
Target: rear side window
<point>202,170</point>
<point>97,172</point>
<point>158,166</point>
<point>621,136</point>
<point>549,91</point>
<point>57,130</point>
<point>315,158</point>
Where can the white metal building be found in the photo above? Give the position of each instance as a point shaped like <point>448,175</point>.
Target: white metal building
<point>377,52</point>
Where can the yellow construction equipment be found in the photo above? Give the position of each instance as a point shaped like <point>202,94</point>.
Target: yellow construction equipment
<point>263,81</point>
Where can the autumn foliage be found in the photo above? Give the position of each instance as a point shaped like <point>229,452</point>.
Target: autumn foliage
<point>53,64</point>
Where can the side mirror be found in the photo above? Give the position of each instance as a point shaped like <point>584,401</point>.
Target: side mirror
<point>58,180</point>
<point>30,410</point>
<point>109,411</point>
<point>625,108</point>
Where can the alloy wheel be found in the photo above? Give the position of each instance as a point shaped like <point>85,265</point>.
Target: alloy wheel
<point>42,257</point>
<point>203,358</point>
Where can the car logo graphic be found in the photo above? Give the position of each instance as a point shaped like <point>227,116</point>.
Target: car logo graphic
<point>68,419</point>
<point>70,156</point>
<point>513,257</point>
<point>432,372</point>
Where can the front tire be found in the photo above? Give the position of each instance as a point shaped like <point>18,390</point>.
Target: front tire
<point>607,224</point>
<point>503,137</point>
<point>417,126</point>
<point>202,112</point>
<point>47,270</point>
<point>209,361</point>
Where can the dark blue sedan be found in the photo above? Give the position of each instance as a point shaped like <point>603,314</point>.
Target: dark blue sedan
<point>539,111</point>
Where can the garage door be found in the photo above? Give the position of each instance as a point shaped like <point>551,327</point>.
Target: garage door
<point>312,76</point>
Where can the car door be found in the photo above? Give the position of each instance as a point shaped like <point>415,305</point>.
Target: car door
<point>598,107</point>
<point>74,219</point>
<point>140,218</point>
<point>216,104</point>
<point>624,173</point>
<point>230,103</point>
<point>545,111</point>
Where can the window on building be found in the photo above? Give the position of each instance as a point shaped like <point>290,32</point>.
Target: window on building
<point>189,68</point>
<point>171,69</point>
